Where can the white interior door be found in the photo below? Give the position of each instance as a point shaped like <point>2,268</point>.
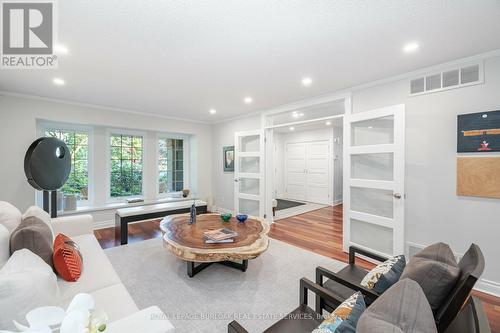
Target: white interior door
<point>374,167</point>
<point>307,175</point>
<point>318,165</point>
<point>295,166</point>
<point>249,187</point>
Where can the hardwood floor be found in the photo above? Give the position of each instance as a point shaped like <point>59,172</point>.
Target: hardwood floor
<point>319,231</point>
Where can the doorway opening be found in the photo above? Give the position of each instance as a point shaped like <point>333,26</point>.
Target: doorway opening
<point>304,158</point>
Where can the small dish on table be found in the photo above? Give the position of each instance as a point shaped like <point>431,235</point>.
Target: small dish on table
<point>241,217</point>
<point>225,216</point>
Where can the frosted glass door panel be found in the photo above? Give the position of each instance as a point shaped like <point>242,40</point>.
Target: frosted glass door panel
<point>373,131</point>
<point>249,186</point>
<point>249,207</point>
<point>372,201</point>
<point>249,143</point>
<point>373,166</point>
<point>372,236</point>
<point>249,165</point>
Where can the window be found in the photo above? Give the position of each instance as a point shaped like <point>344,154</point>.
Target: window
<point>170,165</point>
<point>126,165</point>
<point>78,144</point>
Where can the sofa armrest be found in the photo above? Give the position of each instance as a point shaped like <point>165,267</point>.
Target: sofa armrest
<point>74,225</point>
<point>150,320</point>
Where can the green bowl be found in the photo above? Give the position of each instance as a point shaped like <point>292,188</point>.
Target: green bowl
<point>225,217</point>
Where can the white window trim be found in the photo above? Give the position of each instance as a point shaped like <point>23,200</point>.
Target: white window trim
<point>186,143</point>
<point>43,125</point>
<point>118,131</point>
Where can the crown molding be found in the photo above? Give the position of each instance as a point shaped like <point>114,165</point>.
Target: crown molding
<point>100,107</point>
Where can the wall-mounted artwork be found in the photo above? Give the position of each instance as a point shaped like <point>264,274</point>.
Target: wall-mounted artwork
<point>478,132</point>
<point>478,177</point>
<point>228,155</point>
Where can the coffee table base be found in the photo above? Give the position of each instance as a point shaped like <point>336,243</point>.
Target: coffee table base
<point>193,269</point>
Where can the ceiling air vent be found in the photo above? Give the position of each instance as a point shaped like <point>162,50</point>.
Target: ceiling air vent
<point>460,76</point>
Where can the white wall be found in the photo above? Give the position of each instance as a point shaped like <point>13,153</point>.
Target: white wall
<point>433,210</point>
<point>18,128</point>
<point>223,135</point>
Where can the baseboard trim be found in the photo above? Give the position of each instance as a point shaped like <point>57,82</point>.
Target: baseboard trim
<point>337,202</point>
<point>488,287</point>
<point>103,224</point>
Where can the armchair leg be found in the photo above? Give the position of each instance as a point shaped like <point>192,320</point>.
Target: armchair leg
<point>319,301</point>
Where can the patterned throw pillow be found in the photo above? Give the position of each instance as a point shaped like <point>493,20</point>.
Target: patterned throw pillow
<point>345,317</point>
<point>384,275</point>
<point>68,260</point>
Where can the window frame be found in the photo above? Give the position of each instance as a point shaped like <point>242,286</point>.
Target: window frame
<point>44,125</point>
<point>118,131</point>
<point>185,148</point>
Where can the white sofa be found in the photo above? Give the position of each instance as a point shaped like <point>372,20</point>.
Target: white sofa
<point>100,280</point>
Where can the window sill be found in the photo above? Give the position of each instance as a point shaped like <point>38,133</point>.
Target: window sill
<point>118,205</point>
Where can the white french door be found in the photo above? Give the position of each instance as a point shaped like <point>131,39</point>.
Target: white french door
<point>374,171</point>
<point>249,187</point>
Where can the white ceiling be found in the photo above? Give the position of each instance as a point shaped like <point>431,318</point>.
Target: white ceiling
<point>181,58</point>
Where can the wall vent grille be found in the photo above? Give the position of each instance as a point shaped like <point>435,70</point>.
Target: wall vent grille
<point>451,78</point>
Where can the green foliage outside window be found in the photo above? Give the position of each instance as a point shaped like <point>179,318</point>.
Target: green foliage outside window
<point>78,144</point>
<point>126,165</point>
<point>170,165</point>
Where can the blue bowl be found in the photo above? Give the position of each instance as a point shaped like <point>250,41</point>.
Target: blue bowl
<point>241,217</point>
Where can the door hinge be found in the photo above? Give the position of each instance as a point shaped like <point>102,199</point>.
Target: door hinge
<point>265,215</point>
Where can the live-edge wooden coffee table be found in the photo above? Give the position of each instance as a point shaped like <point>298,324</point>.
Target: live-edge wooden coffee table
<point>186,241</point>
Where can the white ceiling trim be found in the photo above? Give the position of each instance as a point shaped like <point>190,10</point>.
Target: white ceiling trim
<point>101,107</point>
<point>345,93</point>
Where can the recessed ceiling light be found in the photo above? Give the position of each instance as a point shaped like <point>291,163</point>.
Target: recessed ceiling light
<point>292,128</point>
<point>59,82</point>
<point>212,111</point>
<point>248,100</point>
<point>296,114</point>
<point>307,81</point>
<point>411,47</point>
<point>60,49</point>
<point>328,123</point>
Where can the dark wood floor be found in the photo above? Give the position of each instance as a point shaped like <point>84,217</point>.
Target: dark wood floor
<point>319,231</point>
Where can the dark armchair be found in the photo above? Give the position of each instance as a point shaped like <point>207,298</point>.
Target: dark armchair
<point>301,320</point>
<point>346,281</point>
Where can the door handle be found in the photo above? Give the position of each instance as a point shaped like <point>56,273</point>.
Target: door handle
<point>397,196</point>
<point>236,180</point>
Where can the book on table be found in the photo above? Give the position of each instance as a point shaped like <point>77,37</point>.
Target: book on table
<point>220,234</point>
<point>211,241</point>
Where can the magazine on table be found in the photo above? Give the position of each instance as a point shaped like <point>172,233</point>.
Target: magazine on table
<point>220,234</point>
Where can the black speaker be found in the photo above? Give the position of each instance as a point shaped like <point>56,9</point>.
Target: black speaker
<point>47,165</point>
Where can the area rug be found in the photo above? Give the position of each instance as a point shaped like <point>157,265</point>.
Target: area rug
<point>209,301</point>
<point>284,204</point>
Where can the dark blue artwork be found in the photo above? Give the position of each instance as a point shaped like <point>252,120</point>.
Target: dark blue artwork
<point>478,132</point>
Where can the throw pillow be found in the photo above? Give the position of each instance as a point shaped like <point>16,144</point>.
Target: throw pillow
<point>33,234</point>
<point>403,308</point>
<point>68,260</point>
<point>435,270</point>
<point>345,317</point>
<point>26,282</point>
<point>4,245</point>
<point>384,275</point>
<point>10,216</point>
<point>38,212</point>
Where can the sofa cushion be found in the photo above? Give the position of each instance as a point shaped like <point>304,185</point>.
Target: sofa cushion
<point>10,216</point>
<point>435,270</point>
<point>115,301</point>
<point>26,282</point>
<point>68,261</point>
<point>33,234</point>
<point>4,245</point>
<point>403,308</point>
<point>384,275</point>
<point>98,272</point>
